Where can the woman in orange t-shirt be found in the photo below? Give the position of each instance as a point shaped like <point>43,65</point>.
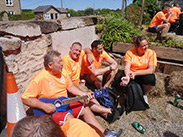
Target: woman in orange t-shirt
<point>140,64</point>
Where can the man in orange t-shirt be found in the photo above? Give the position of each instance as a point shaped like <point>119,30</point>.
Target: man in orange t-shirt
<point>159,23</point>
<point>46,127</point>
<point>71,63</point>
<point>93,73</point>
<point>53,82</point>
<point>175,16</point>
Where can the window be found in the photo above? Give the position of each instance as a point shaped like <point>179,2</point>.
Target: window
<point>11,12</point>
<point>51,15</point>
<point>56,16</point>
<point>9,2</point>
<point>47,16</point>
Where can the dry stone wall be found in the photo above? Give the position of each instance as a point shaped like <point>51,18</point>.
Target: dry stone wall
<point>25,43</point>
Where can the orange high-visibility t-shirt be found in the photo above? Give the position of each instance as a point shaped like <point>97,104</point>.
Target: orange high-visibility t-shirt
<point>77,128</point>
<point>140,62</point>
<point>46,85</point>
<point>73,67</point>
<point>157,19</point>
<point>176,12</point>
<point>97,62</point>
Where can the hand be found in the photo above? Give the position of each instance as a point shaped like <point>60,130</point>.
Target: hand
<point>171,13</point>
<point>132,75</point>
<point>90,97</point>
<point>124,81</point>
<point>49,108</point>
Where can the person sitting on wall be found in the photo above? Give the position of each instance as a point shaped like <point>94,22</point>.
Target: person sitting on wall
<point>159,23</point>
<point>54,82</point>
<point>45,126</point>
<point>174,22</point>
<point>72,64</point>
<point>93,73</point>
<point>140,64</point>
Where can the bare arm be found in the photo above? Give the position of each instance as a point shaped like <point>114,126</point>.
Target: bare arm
<point>35,103</point>
<point>150,70</point>
<point>101,71</point>
<point>78,92</point>
<point>167,20</point>
<point>113,63</point>
<point>89,55</point>
<point>126,79</point>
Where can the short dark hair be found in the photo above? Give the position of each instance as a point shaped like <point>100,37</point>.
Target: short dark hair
<point>37,126</point>
<point>77,43</point>
<point>138,39</point>
<point>165,6</point>
<point>48,58</point>
<point>96,43</point>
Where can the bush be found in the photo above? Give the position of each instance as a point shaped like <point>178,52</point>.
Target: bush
<point>1,14</point>
<point>25,15</point>
<point>116,29</point>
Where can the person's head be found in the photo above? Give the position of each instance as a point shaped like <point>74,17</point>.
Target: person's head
<point>75,50</point>
<point>37,126</point>
<point>166,8</point>
<point>140,44</point>
<point>53,61</point>
<point>97,47</point>
<point>176,5</point>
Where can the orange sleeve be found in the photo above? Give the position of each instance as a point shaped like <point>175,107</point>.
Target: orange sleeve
<point>66,63</point>
<point>153,58</point>
<point>128,56</point>
<point>67,77</point>
<point>77,128</point>
<point>105,55</point>
<point>157,19</point>
<point>31,91</point>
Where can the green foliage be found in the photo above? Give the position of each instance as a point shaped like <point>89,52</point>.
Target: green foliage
<point>25,15</point>
<point>134,11</point>
<point>116,29</point>
<point>89,11</point>
<point>174,43</point>
<point>1,14</point>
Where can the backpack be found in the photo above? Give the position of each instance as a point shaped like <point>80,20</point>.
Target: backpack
<point>180,29</point>
<point>106,97</point>
<point>134,100</point>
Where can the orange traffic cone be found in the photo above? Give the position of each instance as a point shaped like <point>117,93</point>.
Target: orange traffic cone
<point>15,109</point>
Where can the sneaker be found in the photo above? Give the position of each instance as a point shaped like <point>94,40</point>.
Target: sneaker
<point>146,99</point>
<point>112,133</point>
<point>111,117</point>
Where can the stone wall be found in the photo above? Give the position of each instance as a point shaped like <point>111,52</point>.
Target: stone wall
<point>24,43</point>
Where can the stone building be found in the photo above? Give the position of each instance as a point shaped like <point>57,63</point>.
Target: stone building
<point>11,6</point>
<point>49,12</point>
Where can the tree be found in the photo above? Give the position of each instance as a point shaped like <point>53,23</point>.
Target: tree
<point>89,11</point>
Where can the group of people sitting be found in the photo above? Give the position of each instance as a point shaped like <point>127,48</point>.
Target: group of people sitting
<point>62,76</point>
<point>167,20</point>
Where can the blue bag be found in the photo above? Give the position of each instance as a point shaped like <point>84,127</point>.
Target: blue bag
<point>106,97</point>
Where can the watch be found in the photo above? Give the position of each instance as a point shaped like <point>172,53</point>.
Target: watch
<point>110,67</point>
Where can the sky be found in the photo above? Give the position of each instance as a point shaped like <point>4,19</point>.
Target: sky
<point>75,4</point>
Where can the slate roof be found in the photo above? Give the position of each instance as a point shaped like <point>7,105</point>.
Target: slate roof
<point>44,9</point>
<point>62,10</point>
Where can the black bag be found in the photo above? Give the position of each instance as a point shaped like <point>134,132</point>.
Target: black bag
<point>180,28</point>
<point>134,100</point>
<point>106,97</point>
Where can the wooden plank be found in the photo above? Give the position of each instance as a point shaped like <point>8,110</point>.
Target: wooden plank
<point>166,53</point>
<point>167,67</point>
